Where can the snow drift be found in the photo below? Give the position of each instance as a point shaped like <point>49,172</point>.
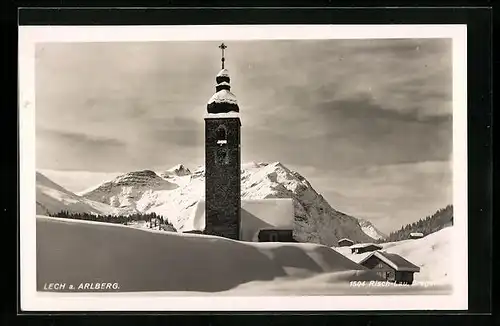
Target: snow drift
<point>168,263</point>
<point>72,252</point>
<point>431,253</point>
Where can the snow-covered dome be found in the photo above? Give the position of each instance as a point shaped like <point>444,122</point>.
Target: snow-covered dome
<point>223,73</point>
<point>223,96</point>
<point>223,76</point>
<point>221,86</point>
<point>223,101</point>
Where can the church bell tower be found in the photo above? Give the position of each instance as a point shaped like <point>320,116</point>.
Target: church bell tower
<point>222,160</point>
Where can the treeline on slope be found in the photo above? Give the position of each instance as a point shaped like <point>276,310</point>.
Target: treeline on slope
<point>430,224</point>
<point>117,219</point>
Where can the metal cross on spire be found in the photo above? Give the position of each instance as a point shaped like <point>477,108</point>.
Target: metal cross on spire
<point>222,47</point>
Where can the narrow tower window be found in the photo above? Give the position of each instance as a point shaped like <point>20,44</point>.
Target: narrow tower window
<point>221,135</point>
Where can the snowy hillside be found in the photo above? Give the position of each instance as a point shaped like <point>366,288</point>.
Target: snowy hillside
<point>143,260</point>
<point>371,230</point>
<point>52,198</point>
<point>431,253</point>
<point>174,196</point>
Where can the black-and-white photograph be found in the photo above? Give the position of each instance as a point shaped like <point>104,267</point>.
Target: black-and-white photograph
<point>234,167</point>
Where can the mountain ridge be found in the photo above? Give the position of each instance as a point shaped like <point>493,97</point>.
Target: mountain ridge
<point>174,195</point>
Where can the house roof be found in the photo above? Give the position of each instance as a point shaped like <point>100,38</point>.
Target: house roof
<point>256,215</point>
<point>416,234</point>
<point>345,239</point>
<point>365,245</point>
<point>395,261</point>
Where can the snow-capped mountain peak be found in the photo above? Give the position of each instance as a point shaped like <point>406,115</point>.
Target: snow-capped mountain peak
<point>127,189</point>
<point>179,170</point>
<point>371,230</point>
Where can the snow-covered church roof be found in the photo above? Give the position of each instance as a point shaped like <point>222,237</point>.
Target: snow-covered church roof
<point>256,215</point>
<point>223,101</point>
<point>223,96</point>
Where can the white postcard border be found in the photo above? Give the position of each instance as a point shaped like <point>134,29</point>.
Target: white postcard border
<point>31,300</point>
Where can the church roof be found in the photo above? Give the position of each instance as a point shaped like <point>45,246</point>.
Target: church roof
<point>256,215</point>
<point>223,101</point>
<point>223,96</point>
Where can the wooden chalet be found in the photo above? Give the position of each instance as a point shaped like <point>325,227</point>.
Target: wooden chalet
<point>391,267</point>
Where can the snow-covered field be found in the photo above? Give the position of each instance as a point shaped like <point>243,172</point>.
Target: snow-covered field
<point>74,252</point>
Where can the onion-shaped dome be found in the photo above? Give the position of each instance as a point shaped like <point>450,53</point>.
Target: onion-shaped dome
<point>223,101</point>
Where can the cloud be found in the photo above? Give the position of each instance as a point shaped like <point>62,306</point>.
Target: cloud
<point>60,149</point>
<point>80,139</point>
<point>398,75</point>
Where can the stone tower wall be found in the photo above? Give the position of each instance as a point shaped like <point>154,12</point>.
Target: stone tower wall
<point>223,178</point>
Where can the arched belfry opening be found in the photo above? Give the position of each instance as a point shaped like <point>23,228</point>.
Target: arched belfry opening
<point>221,135</point>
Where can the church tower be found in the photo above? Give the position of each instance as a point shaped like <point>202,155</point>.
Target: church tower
<point>222,160</point>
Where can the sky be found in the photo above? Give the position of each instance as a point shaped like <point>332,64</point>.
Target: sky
<point>367,122</point>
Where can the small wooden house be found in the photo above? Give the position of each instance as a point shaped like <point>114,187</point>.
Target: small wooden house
<point>364,247</point>
<point>391,267</point>
<point>416,235</point>
<point>345,242</point>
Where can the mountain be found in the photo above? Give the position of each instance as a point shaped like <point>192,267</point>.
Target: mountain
<point>177,171</point>
<point>52,198</point>
<point>128,190</point>
<point>175,194</point>
<point>371,230</point>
